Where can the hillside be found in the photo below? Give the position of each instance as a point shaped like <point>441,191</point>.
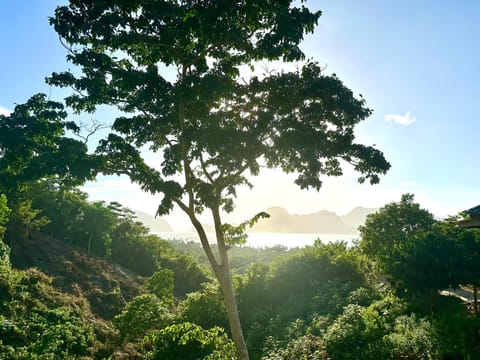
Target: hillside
<point>104,287</point>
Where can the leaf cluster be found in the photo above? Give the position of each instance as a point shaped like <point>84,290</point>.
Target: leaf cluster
<point>34,145</point>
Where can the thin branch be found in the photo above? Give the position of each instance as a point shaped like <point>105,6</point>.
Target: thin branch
<point>67,47</point>
<point>205,171</point>
<point>91,130</point>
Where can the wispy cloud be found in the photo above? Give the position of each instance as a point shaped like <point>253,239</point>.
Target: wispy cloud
<point>4,111</point>
<point>406,119</point>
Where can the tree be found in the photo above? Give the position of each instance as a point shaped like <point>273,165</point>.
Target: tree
<point>34,145</point>
<point>390,233</point>
<point>210,127</point>
<point>418,254</point>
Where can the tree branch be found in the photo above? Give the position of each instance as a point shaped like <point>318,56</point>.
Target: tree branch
<point>203,236</point>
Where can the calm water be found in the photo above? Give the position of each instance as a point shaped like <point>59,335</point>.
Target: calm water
<point>289,240</point>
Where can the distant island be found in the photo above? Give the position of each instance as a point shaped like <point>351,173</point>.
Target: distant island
<point>154,224</point>
<point>322,222</point>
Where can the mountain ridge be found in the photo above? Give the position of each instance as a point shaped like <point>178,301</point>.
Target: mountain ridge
<point>321,222</point>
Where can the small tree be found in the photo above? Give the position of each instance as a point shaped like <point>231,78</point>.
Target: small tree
<point>212,127</point>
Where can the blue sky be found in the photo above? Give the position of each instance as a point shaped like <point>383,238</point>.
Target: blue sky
<point>415,62</point>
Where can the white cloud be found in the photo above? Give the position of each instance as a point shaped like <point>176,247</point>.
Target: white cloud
<point>4,111</point>
<point>406,119</point>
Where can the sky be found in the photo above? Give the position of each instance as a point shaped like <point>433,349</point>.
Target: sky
<point>415,63</point>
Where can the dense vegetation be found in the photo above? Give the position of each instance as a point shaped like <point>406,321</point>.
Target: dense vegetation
<point>325,301</point>
<point>81,279</point>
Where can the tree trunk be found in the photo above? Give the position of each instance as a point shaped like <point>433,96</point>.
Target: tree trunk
<point>225,279</point>
<point>475,300</point>
<point>222,273</point>
<point>232,313</point>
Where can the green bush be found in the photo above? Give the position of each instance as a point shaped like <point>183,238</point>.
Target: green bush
<point>160,284</point>
<point>308,347</point>
<point>205,308</point>
<point>54,334</point>
<point>188,341</point>
<point>144,313</point>
<point>412,339</point>
<point>380,331</point>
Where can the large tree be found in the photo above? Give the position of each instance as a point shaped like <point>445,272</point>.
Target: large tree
<point>212,125</point>
<point>36,143</point>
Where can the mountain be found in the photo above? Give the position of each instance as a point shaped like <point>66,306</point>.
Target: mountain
<point>322,222</point>
<point>357,217</point>
<point>154,224</point>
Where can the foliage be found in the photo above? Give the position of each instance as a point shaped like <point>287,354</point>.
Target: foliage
<point>110,231</point>
<point>144,313</point>
<point>4,215</point>
<point>458,334</point>
<point>420,255</point>
<point>63,335</point>
<point>205,308</point>
<point>160,284</point>
<point>464,249</point>
<point>34,145</point>
<point>281,301</point>
<point>299,275</point>
<point>189,341</point>
<point>407,244</point>
<point>391,232</point>
<point>236,235</point>
<point>412,338</point>
<point>307,347</point>
<point>240,257</point>
<point>358,333</point>
<point>32,325</point>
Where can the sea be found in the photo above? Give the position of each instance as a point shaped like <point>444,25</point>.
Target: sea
<point>266,239</point>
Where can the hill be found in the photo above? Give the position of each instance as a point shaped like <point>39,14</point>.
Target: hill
<point>104,287</point>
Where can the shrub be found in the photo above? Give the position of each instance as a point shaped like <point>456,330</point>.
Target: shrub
<point>189,341</point>
<point>144,313</point>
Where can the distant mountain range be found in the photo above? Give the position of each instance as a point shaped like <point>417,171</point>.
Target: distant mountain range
<point>322,222</point>
<point>280,221</point>
<point>154,224</point>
